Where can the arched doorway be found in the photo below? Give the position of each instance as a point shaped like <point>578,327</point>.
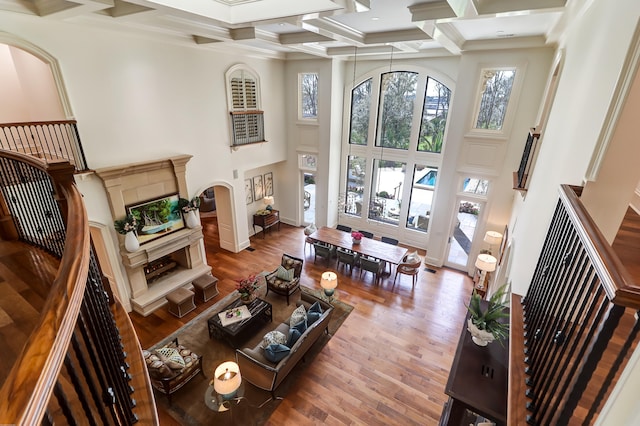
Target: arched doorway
<point>218,215</point>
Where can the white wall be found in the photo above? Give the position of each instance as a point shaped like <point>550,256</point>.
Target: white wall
<point>595,48</point>
<point>27,88</point>
<point>137,99</point>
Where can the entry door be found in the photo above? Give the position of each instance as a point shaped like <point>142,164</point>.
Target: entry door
<point>309,198</point>
<point>462,234</point>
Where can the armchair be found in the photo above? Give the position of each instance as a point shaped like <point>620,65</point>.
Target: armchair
<point>278,284</point>
<point>410,265</point>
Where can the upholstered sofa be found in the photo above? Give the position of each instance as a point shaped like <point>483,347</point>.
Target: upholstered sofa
<point>267,375</point>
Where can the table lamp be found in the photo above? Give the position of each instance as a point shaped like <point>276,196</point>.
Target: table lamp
<point>268,201</point>
<point>227,379</point>
<point>493,238</point>
<point>485,263</point>
<point>329,282</point>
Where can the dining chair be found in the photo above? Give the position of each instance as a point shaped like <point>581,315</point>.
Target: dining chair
<point>389,240</point>
<point>408,266</point>
<point>346,257</point>
<point>325,252</point>
<point>343,228</point>
<point>371,265</point>
<point>366,233</point>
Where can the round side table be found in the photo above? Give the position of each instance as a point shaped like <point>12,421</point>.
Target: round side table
<point>215,402</point>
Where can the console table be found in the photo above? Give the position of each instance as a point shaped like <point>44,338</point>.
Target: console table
<point>478,381</point>
<point>266,221</point>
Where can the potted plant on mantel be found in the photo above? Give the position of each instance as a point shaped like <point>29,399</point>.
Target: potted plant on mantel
<point>487,325</point>
<point>128,227</point>
<point>189,208</point>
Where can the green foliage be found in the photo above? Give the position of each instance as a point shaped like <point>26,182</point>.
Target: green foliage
<point>490,319</point>
<point>129,223</point>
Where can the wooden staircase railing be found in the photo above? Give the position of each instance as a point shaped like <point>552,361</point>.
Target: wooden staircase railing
<point>579,310</point>
<point>49,141</point>
<point>78,364</point>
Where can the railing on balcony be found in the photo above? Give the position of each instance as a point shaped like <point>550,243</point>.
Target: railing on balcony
<point>579,298</point>
<point>77,366</point>
<point>48,140</point>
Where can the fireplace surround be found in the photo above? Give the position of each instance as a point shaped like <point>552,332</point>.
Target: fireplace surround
<point>137,182</point>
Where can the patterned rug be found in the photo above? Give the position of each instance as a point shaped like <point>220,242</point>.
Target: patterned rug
<point>188,406</point>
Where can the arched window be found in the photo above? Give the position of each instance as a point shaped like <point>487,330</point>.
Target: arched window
<point>397,123</point>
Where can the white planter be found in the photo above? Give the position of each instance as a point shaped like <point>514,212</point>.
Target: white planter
<point>131,242</point>
<point>479,337</point>
<point>191,219</point>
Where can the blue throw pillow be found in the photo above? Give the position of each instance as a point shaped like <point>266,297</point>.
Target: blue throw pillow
<point>276,352</point>
<point>296,331</point>
<point>294,335</point>
<point>314,313</point>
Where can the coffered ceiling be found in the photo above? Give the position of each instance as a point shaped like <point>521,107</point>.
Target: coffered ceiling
<point>323,28</point>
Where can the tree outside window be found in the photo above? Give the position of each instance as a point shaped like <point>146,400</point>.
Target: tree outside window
<point>360,105</point>
<point>496,90</point>
<point>397,94</point>
<point>356,172</point>
<point>309,96</point>
<point>434,116</point>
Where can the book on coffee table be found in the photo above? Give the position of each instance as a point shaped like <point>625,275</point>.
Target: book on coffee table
<point>233,315</point>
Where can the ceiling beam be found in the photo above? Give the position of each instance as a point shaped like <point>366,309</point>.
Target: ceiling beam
<point>431,11</point>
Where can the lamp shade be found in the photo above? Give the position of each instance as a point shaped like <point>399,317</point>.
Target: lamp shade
<point>492,237</point>
<point>486,262</point>
<point>227,379</point>
<point>329,280</point>
<point>268,200</point>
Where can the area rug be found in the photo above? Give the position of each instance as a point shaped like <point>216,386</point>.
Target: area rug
<point>188,406</point>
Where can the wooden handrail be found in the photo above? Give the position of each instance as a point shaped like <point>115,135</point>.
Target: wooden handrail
<point>28,388</point>
<point>37,123</point>
<point>516,406</point>
<point>620,287</point>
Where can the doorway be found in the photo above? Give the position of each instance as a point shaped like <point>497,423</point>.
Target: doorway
<point>461,237</point>
<point>309,198</point>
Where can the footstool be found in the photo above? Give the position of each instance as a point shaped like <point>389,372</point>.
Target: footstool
<point>206,287</point>
<point>181,302</point>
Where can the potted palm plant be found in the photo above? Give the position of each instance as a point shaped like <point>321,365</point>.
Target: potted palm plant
<point>488,324</point>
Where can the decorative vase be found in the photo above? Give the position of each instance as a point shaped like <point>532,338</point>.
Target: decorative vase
<point>131,242</point>
<point>479,337</point>
<point>191,219</point>
<point>356,240</point>
<point>247,298</point>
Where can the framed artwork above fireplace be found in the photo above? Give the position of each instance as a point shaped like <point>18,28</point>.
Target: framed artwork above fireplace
<point>157,217</point>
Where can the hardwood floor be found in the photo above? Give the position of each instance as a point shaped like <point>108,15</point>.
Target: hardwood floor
<point>387,364</point>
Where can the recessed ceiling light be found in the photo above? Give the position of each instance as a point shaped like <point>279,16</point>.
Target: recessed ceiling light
<point>375,18</point>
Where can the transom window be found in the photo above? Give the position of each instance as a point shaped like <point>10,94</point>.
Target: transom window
<point>495,88</point>
<point>308,102</point>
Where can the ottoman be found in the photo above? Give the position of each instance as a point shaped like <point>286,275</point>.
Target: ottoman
<point>181,302</point>
<point>206,287</point>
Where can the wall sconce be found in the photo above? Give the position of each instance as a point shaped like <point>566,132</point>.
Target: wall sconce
<point>329,282</point>
<point>486,264</point>
<point>268,201</point>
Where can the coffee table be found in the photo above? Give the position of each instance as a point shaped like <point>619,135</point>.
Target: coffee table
<point>237,333</point>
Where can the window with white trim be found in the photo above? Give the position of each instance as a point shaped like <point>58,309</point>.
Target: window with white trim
<point>243,94</point>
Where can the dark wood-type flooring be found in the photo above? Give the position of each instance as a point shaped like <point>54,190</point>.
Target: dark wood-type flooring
<point>387,364</point>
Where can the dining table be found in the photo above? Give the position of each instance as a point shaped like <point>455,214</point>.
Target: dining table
<point>367,246</point>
